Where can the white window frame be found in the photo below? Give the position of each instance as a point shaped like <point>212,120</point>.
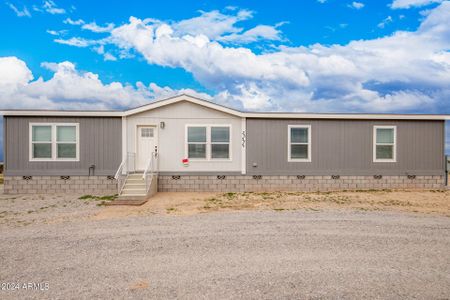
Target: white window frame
<point>308,159</point>
<point>202,143</point>
<point>208,143</point>
<point>54,142</point>
<point>394,148</point>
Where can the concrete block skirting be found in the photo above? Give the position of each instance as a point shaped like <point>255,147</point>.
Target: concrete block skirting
<point>248,183</point>
<point>101,185</point>
<point>94,185</point>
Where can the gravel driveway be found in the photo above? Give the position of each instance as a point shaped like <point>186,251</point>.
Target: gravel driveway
<point>258,254</point>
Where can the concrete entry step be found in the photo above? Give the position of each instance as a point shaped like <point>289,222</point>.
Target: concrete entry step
<point>135,176</point>
<point>126,202</point>
<point>132,197</point>
<point>133,193</point>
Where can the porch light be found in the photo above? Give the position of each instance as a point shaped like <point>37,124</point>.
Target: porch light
<point>162,125</point>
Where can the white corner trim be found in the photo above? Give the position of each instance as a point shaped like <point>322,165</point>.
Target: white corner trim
<point>124,138</point>
<point>308,126</point>
<point>374,145</point>
<point>244,146</point>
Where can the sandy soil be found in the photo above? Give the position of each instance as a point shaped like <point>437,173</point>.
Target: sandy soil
<point>22,210</point>
<point>427,202</point>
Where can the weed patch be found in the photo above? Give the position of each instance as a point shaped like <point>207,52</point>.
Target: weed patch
<point>103,199</point>
<point>230,196</point>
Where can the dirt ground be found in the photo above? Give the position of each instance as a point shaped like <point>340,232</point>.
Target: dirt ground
<point>340,254</point>
<point>427,202</point>
<point>22,210</point>
<point>345,245</point>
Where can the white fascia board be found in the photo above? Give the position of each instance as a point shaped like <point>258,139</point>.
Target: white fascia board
<point>67,113</point>
<point>347,116</point>
<point>176,99</point>
<point>229,111</point>
<point>217,107</point>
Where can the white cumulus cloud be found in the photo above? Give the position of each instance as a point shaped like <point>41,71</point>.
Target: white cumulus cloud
<point>384,74</point>
<point>412,3</point>
<point>70,88</point>
<point>212,24</point>
<point>259,32</point>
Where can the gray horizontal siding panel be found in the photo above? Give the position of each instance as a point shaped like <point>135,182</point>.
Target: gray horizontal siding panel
<point>345,147</point>
<point>100,145</point>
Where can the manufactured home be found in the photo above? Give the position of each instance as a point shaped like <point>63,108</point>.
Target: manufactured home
<point>189,144</point>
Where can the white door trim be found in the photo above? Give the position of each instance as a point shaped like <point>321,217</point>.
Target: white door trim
<point>136,142</point>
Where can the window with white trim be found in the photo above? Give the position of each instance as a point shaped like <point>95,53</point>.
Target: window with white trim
<point>54,141</point>
<point>220,142</point>
<point>384,143</point>
<point>197,142</point>
<point>299,143</point>
<point>41,142</point>
<point>208,142</point>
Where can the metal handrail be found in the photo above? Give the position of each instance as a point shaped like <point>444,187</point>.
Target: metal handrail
<point>122,176</point>
<point>119,170</point>
<point>149,170</point>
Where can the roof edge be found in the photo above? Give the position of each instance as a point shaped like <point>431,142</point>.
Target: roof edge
<point>222,108</point>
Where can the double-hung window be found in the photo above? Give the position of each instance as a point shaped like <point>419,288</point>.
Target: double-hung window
<point>220,142</point>
<point>384,143</point>
<point>208,142</point>
<point>66,142</point>
<point>197,140</point>
<point>54,142</point>
<point>41,142</point>
<point>299,143</point>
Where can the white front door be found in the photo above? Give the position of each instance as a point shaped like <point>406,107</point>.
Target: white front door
<point>147,137</point>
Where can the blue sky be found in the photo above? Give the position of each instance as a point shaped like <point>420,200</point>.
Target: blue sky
<point>327,55</point>
<point>307,23</point>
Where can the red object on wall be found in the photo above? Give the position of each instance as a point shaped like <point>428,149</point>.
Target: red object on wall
<point>185,162</point>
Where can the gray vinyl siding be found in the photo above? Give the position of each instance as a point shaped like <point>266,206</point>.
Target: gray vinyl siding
<point>100,145</point>
<point>345,147</point>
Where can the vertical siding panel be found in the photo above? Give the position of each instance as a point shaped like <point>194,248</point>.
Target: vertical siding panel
<point>105,137</point>
<point>97,137</point>
<point>99,145</point>
<point>345,146</point>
